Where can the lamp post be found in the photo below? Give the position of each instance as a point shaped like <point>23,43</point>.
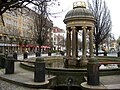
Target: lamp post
<point>118,50</point>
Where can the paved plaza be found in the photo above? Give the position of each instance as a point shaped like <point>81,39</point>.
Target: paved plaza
<point>27,77</point>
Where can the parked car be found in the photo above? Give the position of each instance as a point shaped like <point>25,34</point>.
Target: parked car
<point>99,51</point>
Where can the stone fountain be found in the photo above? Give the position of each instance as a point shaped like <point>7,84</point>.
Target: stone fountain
<point>76,68</point>
<point>78,19</point>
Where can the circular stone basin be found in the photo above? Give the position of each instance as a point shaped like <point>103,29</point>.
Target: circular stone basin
<point>54,66</point>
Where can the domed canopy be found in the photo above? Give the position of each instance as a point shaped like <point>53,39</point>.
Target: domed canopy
<point>79,11</point>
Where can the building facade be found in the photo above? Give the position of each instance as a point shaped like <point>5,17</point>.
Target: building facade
<point>17,33</point>
<point>58,38</point>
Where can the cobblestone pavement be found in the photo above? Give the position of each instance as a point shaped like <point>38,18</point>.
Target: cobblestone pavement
<point>9,86</point>
<point>21,75</point>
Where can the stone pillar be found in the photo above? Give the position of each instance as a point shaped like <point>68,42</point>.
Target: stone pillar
<point>68,43</point>
<point>84,43</point>
<point>77,43</point>
<point>93,72</point>
<point>91,42</point>
<point>68,47</point>
<point>83,61</point>
<point>39,71</point>
<point>74,42</point>
<point>9,65</point>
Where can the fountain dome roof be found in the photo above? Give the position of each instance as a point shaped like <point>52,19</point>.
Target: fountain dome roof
<point>79,11</point>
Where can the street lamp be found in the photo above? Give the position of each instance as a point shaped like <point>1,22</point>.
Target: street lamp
<point>118,50</point>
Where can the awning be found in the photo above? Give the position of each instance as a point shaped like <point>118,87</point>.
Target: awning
<point>29,45</point>
<point>45,47</point>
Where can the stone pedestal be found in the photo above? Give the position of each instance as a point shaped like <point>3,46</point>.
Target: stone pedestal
<point>93,72</point>
<point>25,55</point>
<point>2,60</point>
<point>39,73</point>
<point>9,65</point>
<point>118,54</point>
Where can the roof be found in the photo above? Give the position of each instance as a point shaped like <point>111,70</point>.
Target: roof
<point>58,30</point>
<point>79,12</point>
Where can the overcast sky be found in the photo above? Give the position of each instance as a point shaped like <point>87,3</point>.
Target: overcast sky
<point>66,5</point>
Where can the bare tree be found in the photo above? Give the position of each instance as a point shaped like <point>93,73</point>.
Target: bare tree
<point>15,4</point>
<point>43,24</point>
<point>103,22</point>
<point>41,8</point>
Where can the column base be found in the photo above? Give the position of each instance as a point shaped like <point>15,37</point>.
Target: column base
<point>83,62</point>
<point>71,62</point>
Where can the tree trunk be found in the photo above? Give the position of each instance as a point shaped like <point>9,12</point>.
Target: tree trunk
<point>96,48</point>
<point>39,50</point>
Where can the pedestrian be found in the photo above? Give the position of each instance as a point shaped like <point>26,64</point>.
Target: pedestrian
<point>15,55</point>
<point>6,53</point>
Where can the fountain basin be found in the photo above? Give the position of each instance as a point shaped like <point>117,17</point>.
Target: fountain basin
<point>75,75</point>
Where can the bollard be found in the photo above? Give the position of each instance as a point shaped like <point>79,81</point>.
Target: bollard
<point>37,54</point>
<point>9,65</point>
<point>15,55</point>
<point>49,53</point>
<point>118,54</point>
<point>39,72</point>
<point>2,60</point>
<point>93,73</point>
<point>25,55</point>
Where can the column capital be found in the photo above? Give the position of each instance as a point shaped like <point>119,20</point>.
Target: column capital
<point>92,28</point>
<point>73,28</point>
<point>67,28</point>
<point>68,31</point>
<point>84,27</point>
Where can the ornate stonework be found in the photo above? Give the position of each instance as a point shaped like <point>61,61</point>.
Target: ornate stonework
<point>78,19</point>
<point>81,4</point>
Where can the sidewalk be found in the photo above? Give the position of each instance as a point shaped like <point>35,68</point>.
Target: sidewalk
<point>22,78</point>
<point>106,83</point>
<point>111,82</point>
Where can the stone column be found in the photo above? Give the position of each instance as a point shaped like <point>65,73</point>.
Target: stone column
<point>68,47</point>
<point>83,61</point>
<point>74,42</point>
<point>84,42</point>
<point>91,42</point>
<point>68,44</point>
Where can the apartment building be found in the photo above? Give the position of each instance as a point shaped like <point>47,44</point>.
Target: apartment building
<point>58,38</point>
<point>18,32</point>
